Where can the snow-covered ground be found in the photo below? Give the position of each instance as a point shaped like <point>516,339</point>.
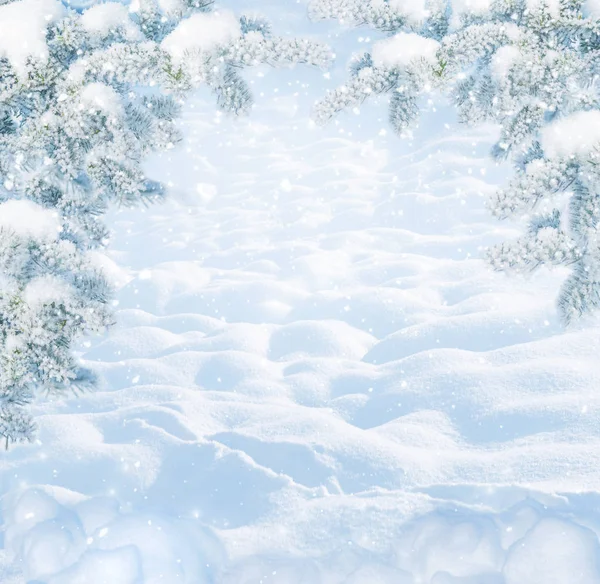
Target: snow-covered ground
<point>314,379</point>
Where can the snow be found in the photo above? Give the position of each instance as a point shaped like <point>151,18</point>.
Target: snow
<point>100,20</point>
<point>474,7</point>
<point>45,290</point>
<point>314,378</point>
<point>171,6</point>
<point>415,10</point>
<point>502,61</point>
<point>553,6</point>
<point>575,135</point>
<point>98,96</point>
<point>401,49</point>
<point>23,30</point>
<point>592,8</point>
<point>202,32</point>
<point>28,219</point>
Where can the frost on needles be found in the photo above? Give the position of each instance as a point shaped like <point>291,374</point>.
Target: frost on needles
<point>529,65</point>
<point>84,98</point>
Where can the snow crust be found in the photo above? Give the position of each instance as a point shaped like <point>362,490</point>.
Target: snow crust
<point>101,19</point>
<point>401,49</point>
<point>23,27</point>
<point>575,135</point>
<point>28,219</point>
<point>202,32</point>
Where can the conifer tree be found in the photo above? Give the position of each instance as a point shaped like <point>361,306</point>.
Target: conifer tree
<point>84,98</point>
<point>530,66</point>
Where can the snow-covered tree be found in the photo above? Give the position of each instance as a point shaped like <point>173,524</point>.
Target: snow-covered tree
<point>529,65</point>
<point>84,98</point>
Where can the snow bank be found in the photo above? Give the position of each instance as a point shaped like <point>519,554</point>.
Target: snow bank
<point>23,30</point>
<point>100,20</point>
<point>98,96</point>
<point>89,541</point>
<point>27,219</point>
<point>202,32</point>
<point>575,135</point>
<point>401,49</point>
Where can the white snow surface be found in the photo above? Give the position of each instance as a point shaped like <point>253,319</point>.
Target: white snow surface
<point>44,290</point>
<point>202,32</point>
<point>402,48</point>
<point>98,96</point>
<point>102,19</point>
<point>503,60</point>
<point>575,135</point>
<point>592,8</point>
<point>475,7</point>
<point>23,27</point>
<point>553,6</point>
<point>314,379</point>
<point>415,10</point>
<point>28,219</point>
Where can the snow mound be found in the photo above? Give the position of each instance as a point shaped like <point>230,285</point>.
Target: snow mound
<point>554,550</point>
<point>70,540</point>
<point>533,541</point>
<point>315,379</point>
<point>23,27</point>
<point>331,339</point>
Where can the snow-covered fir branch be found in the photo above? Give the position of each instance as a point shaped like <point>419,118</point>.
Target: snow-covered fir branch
<point>530,66</point>
<point>84,98</point>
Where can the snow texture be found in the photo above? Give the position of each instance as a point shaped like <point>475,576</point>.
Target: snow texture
<point>45,290</point>
<point>23,30</point>
<point>575,135</point>
<point>502,61</point>
<point>592,8</point>
<point>102,19</point>
<point>401,49</point>
<point>474,7</point>
<point>415,10</point>
<point>202,32</point>
<point>101,97</point>
<point>552,6</point>
<point>29,220</point>
<point>314,378</point>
